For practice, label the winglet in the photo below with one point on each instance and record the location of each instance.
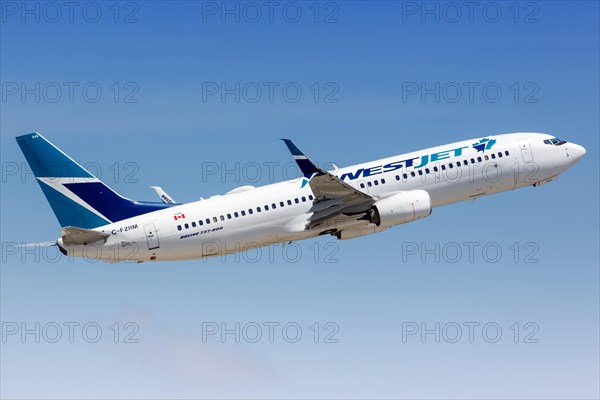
(306, 165)
(163, 195)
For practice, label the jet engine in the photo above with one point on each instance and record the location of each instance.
(401, 208)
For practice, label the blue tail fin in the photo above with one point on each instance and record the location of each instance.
(77, 197)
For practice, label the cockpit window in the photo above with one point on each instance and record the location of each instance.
(554, 142)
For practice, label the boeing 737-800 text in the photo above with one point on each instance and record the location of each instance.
(347, 203)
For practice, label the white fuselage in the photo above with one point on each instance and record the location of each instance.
(177, 233)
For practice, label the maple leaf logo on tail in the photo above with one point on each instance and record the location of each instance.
(484, 144)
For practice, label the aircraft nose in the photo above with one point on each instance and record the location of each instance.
(576, 151)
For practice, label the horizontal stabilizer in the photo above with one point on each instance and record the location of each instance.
(73, 235)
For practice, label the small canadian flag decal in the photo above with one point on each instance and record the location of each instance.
(179, 216)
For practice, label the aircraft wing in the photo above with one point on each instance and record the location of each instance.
(333, 197)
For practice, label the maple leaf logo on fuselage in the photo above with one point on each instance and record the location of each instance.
(484, 144)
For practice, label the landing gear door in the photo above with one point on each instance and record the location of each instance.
(477, 186)
(525, 150)
(151, 236)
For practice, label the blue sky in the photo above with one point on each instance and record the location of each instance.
(163, 118)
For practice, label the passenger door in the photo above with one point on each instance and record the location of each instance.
(525, 150)
(151, 236)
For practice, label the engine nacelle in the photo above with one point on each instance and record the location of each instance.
(401, 208)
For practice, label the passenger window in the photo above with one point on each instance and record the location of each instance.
(228, 216)
(193, 224)
(435, 169)
(487, 158)
(427, 171)
(187, 226)
(200, 222)
(215, 219)
(500, 154)
(376, 182)
(493, 156)
(405, 176)
(207, 221)
(479, 159)
(369, 184)
(397, 177)
(450, 165)
(296, 200)
(383, 181)
(362, 185)
(281, 204)
(222, 218)
(243, 213)
(420, 172)
(443, 167)
(289, 202)
(235, 214)
(412, 173)
(465, 162)
(273, 206)
(506, 153)
(258, 209)
(472, 161)
(266, 207)
(310, 197)
(250, 211)
(178, 227)
(303, 198)
(458, 163)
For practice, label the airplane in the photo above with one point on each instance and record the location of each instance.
(350, 202)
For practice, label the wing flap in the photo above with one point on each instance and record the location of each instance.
(334, 199)
(327, 186)
(338, 198)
